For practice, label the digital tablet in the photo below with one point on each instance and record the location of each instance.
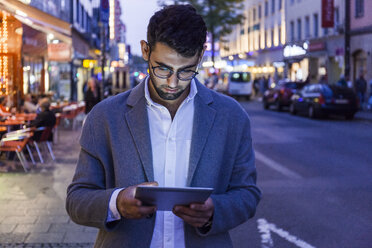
(165, 198)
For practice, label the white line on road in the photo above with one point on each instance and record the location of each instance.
(265, 228)
(276, 166)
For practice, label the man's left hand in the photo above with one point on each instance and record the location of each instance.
(196, 215)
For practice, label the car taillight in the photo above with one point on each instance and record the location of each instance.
(282, 91)
(321, 99)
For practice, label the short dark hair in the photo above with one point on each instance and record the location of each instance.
(180, 27)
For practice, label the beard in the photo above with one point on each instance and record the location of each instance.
(164, 95)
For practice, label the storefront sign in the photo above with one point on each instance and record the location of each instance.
(59, 52)
(316, 46)
(327, 13)
(293, 51)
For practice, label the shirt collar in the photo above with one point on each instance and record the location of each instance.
(150, 102)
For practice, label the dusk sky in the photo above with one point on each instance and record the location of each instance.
(136, 15)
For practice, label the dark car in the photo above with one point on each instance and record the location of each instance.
(281, 94)
(321, 100)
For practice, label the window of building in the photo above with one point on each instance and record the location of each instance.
(272, 37)
(266, 8)
(292, 31)
(299, 29)
(280, 4)
(259, 11)
(316, 25)
(280, 36)
(337, 19)
(325, 31)
(307, 27)
(266, 40)
(359, 8)
(254, 14)
(77, 9)
(272, 6)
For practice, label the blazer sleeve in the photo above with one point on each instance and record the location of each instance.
(239, 203)
(87, 201)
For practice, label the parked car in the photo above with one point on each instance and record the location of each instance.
(281, 94)
(239, 84)
(320, 100)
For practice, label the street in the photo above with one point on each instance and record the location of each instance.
(316, 181)
(315, 176)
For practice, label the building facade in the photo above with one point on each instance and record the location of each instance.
(257, 45)
(60, 46)
(314, 53)
(361, 39)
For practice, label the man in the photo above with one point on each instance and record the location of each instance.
(46, 118)
(28, 105)
(361, 88)
(169, 131)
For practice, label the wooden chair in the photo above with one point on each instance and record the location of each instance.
(16, 143)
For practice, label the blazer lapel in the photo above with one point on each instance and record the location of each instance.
(204, 117)
(138, 124)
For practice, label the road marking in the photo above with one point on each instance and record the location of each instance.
(265, 228)
(276, 166)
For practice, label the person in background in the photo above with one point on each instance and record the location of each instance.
(342, 82)
(92, 95)
(360, 89)
(169, 131)
(46, 118)
(28, 105)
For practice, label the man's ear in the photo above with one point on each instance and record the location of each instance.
(202, 53)
(145, 50)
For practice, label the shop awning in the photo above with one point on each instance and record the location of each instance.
(38, 19)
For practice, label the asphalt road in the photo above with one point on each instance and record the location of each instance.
(316, 178)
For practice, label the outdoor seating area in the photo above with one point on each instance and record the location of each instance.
(25, 147)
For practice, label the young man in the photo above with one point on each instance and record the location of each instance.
(169, 131)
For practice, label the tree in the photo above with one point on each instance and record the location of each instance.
(220, 16)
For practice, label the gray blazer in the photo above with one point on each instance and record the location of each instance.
(116, 152)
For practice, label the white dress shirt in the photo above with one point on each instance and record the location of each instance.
(171, 143)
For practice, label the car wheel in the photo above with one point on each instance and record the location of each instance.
(265, 105)
(349, 116)
(292, 109)
(248, 97)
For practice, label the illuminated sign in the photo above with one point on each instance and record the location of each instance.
(293, 51)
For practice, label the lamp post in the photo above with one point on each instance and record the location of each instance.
(347, 38)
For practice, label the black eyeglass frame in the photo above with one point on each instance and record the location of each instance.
(171, 72)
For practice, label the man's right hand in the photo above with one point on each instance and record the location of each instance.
(130, 207)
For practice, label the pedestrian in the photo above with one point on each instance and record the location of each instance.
(169, 131)
(342, 82)
(360, 89)
(92, 95)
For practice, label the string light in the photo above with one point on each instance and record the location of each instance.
(4, 67)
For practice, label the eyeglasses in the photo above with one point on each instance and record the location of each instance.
(165, 72)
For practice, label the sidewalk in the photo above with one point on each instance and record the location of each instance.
(32, 205)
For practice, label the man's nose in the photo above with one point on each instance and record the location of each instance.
(173, 81)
